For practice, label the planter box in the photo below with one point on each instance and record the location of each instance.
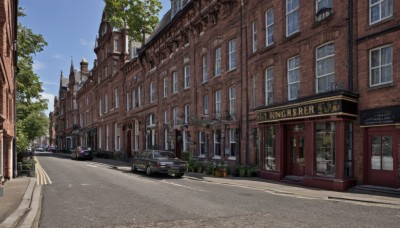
(221, 173)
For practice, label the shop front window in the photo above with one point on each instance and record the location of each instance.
(382, 156)
(325, 148)
(270, 135)
(348, 156)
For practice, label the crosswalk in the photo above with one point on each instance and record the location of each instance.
(41, 176)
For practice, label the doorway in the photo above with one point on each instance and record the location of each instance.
(296, 141)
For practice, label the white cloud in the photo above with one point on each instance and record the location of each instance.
(37, 65)
(50, 104)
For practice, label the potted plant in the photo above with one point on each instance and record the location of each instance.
(242, 170)
(211, 168)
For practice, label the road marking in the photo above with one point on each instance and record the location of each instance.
(93, 166)
(42, 178)
(183, 186)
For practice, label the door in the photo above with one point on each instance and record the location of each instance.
(382, 157)
(129, 143)
(296, 154)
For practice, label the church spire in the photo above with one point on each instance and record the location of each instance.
(72, 66)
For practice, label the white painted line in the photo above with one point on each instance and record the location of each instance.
(93, 166)
(183, 186)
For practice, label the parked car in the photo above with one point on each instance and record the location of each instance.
(52, 148)
(39, 148)
(82, 153)
(158, 161)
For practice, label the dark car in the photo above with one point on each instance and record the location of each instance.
(158, 161)
(82, 153)
(52, 148)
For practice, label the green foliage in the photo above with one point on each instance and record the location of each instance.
(30, 106)
(137, 15)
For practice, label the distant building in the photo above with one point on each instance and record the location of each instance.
(8, 69)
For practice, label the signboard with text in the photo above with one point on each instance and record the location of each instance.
(382, 116)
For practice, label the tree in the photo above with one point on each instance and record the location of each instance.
(138, 15)
(29, 103)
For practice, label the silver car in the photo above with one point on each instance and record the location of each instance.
(158, 161)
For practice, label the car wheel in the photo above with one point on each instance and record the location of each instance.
(178, 175)
(148, 171)
(134, 169)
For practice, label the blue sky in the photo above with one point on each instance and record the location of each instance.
(70, 28)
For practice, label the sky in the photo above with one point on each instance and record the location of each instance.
(70, 28)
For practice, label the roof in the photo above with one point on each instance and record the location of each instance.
(163, 23)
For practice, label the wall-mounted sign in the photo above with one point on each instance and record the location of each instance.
(382, 116)
(336, 105)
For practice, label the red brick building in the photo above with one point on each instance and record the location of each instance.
(304, 90)
(8, 67)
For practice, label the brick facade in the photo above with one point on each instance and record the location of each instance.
(286, 96)
(8, 35)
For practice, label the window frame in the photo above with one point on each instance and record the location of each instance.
(218, 60)
(204, 68)
(186, 73)
(269, 86)
(232, 49)
(380, 66)
(232, 100)
(290, 98)
(254, 36)
(217, 96)
(269, 28)
(152, 92)
(291, 12)
(175, 82)
(379, 3)
(324, 58)
(166, 87)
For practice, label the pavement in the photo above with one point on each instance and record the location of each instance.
(20, 203)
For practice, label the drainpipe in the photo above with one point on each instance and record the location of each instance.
(350, 45)
(244, 74)
(14, 146)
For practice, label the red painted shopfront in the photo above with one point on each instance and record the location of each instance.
(381, 133)
(310, 141)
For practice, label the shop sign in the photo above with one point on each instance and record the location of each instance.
(383, 116)
(312, 108)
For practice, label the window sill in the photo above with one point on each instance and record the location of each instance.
(377, 23)
(291, 36)
(231, 70)
(202, 156)
(232, 158)
(216, 157)
(377, 87)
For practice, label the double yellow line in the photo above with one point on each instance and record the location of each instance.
(41, 176)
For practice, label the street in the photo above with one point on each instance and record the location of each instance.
(91, 194)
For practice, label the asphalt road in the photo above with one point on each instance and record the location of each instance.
(90, 194)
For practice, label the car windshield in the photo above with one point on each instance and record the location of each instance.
(164, 154)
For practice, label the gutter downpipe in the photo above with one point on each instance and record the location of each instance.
(15, 171)
(244, 67)
(350, 45)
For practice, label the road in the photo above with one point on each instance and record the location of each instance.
(91, 194)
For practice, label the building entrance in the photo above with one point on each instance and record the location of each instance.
(296, 157)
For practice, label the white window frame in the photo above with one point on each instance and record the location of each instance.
(232, 54)
(232, 141)
(202, 141)
(290, 12)
(174, 82)
(116, 44)
(380, 66)
(322, 75)
(232, 100)
(254, 36)
(187, 113)
(186, 76)
(217, 103)
(165, 117)
(166, 139)
(379, 4)
(117, 137)
(217, 71)
(205, 105)
(116, 94)
(204, 68)
(269, 86)
(269, 27)
(165, 87)
(133, 99)
(107, 136)
(175, 116)
(293, 83)
(217, 144)
(152, 92)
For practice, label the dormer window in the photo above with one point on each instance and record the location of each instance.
(103, 29)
